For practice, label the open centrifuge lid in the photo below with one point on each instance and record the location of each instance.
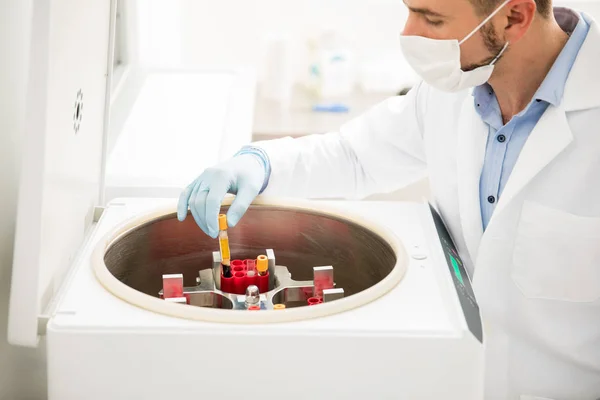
(62, 159)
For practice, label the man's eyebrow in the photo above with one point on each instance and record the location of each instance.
(424, 11)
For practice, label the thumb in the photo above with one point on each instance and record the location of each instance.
(240, 204)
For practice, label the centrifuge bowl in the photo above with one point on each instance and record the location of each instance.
(368, 260)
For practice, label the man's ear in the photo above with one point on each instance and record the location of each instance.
(519, 17)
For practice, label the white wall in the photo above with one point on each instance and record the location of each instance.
(22, 371)
(196, 32)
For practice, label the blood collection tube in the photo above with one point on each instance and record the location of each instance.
(251, 275)
(279, 307)
(262, 266)
(253, 308)
(224, 246)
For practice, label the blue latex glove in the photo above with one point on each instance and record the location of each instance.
(243, 175)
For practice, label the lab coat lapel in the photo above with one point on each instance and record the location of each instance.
(582, 89)
(472, 139)
(550, 136)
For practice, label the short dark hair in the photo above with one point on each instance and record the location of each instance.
(544, 7)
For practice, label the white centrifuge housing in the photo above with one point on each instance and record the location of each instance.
(87, 275)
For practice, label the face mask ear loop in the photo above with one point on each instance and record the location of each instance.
(485, 21)
(499, 54)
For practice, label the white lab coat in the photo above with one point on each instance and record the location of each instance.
(536, 269)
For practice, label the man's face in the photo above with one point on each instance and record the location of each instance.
(454, 19)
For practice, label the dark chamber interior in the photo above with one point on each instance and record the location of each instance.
(301, 240)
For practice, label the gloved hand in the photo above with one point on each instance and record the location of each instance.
(243, 175)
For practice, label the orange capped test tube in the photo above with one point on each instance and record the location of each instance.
(224, 246)
(262, 266)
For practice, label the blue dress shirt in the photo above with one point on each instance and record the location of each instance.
(506, 141)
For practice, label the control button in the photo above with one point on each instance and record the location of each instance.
(491, 199)
(501, 138)
(419, 256)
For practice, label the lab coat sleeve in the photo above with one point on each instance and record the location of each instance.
(379, 151)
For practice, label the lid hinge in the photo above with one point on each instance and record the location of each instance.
(98, 211)
(43, 320)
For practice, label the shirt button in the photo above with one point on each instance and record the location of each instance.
(491, 199)
(501, 138)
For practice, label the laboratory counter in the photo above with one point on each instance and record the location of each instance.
(271, 120)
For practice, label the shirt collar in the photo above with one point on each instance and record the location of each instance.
(552, 88)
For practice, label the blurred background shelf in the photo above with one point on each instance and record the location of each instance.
(272, 121)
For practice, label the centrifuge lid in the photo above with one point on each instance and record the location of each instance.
(62, 159)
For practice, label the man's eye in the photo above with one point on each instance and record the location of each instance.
(434, 22)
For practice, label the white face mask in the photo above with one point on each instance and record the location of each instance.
(438, 61)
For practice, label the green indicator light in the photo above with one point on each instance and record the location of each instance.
(456, 270)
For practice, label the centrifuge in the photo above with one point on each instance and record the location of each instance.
(362, 299)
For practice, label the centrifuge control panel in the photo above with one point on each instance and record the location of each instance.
(460, 278)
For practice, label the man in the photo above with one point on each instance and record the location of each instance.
(506, 126)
